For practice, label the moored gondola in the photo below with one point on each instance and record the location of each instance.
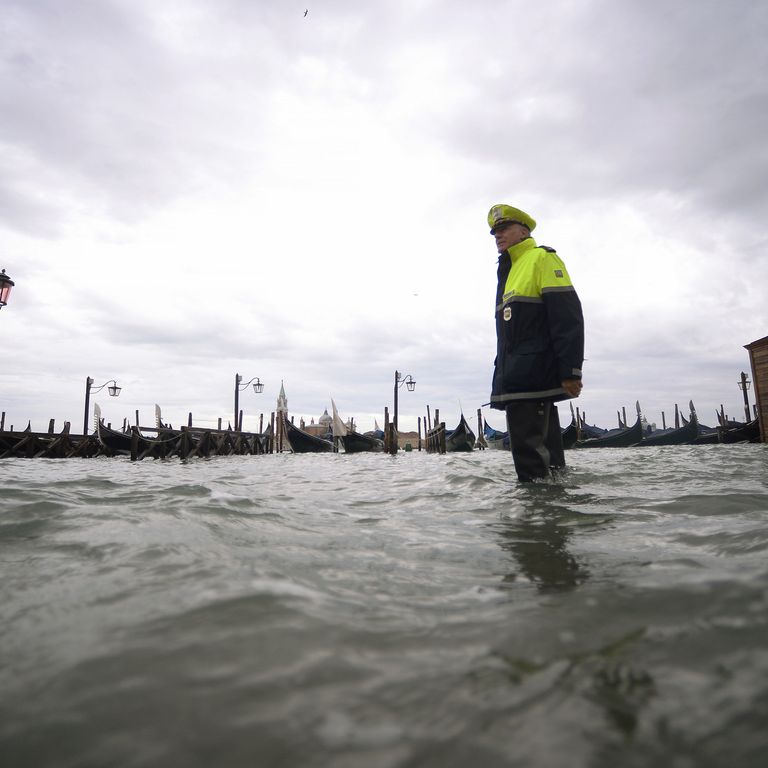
(622, 438)
(356, 442)
(500, 440)
(115, 442)
(461, 439)
(133, 443)
(749, 432)
(495, 438)
(570, 435)
(706, 438)
(302, 442)
(680, 436)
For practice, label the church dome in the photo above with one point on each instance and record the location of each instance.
(325, 419)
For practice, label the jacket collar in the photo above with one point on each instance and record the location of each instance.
(516, 251)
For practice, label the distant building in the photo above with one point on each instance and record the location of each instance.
(323, 426)
(282, 401)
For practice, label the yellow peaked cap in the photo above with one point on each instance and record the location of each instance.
(501, 213)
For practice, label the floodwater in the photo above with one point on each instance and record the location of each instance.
(374, 610)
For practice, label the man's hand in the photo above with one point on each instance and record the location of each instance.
(572, 386)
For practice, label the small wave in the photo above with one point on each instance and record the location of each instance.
(705, 505)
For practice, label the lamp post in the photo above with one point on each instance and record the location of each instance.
(5, 288)
(744, 386)
(399, 381)
(113, 390)
(258, 387)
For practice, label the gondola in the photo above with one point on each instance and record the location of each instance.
(114, 441)
(500, 440)
(494, 438)
(749, 432)
(302, 442)
(578, 429)
(570, 435)
(120, 443)
(499, 443)
(680, 436)
(355, 442)
(706, 438)
(590, 430)
(461, 439)
(622, 438)
(707, 435)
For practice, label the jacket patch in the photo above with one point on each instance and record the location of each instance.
(558, 273)
(507, 313)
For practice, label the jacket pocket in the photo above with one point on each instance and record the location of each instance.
(529, 347)
(529, 368)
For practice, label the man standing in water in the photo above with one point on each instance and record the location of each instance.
(540, 343)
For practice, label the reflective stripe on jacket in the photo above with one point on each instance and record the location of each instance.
(539, 326)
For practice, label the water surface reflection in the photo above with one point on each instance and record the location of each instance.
(538, 536)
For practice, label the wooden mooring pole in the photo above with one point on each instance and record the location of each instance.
(481, 444)
(387, 446)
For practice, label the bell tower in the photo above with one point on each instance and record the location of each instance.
(281, 417)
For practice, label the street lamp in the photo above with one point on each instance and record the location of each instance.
(5, 288)
(399, 381)
(113, 390)
(258, 387)
(744, 386)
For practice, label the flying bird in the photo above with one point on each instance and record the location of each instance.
(306, 12)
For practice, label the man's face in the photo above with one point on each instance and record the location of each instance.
(509, 233)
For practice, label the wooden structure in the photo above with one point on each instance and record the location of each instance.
(34, 445)
(436, 439)
(395, 440)
(481, 443)
(758, 357)
(185, 443)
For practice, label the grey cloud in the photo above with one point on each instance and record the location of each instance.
(119, 119)
(621, 95)
(651, 96)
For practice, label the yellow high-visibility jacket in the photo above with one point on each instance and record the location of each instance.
(539, 326)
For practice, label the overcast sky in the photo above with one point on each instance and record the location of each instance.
(191, 189)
